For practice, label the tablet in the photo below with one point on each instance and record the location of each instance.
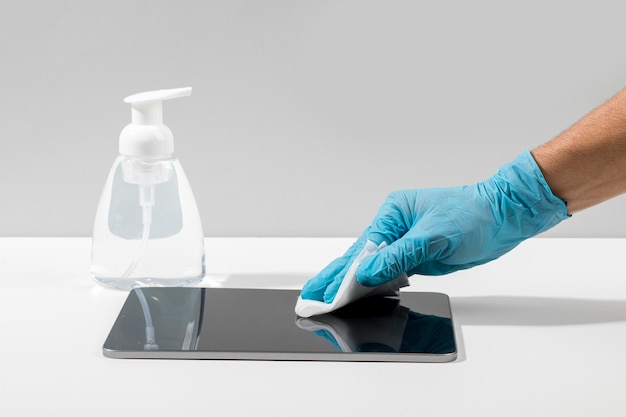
(260, 324)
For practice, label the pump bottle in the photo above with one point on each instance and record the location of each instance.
(147, 230)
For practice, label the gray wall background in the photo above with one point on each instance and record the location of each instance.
(305, 114)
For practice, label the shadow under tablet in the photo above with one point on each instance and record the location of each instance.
(260, 324)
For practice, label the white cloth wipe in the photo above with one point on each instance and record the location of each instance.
(350, 290)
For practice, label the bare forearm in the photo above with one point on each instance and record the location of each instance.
(586, 164)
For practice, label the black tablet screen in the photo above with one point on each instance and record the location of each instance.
(228, 323)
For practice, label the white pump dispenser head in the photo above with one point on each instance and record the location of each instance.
(146, 135)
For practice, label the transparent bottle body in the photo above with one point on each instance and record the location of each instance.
(147, 230)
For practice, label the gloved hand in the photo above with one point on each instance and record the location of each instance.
(441, 230)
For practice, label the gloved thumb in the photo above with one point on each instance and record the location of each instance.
(389, 263)
(408, 255)
(393, 219)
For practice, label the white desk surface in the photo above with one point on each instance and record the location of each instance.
(541, 332)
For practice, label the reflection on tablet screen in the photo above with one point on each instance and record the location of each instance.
(382, 324)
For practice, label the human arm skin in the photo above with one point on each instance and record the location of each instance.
(586, 164)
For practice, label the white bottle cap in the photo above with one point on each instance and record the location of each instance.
(146, 135)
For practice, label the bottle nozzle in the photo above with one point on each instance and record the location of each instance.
(146, 135)
(147, 108)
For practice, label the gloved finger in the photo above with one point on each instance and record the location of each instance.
(333, 286)
(405, 255)
(394, 218)
(321, 286)
(315, 288)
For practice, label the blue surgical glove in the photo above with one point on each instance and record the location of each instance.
(441, 230)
